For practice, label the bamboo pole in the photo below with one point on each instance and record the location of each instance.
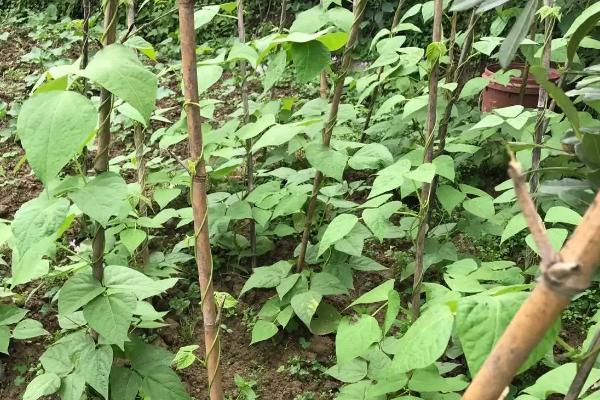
(103, 141)
(359, 9)
(428, 157)
(199, 199)
(577, 262)
(246, 109)
(85, 46)
(542, 105)
(138, 142)
(584, 369)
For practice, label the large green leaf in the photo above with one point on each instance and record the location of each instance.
(515, 225)
(371, 156)
(519, 30)
(482, 207)
(350, 372)
(563, 215)
(94, 366)
(110, 316)
(375, 295)
(377, 219)
(118, 69)
(336, 230)
(305, 305)
(480, 321)
(124, 383)
(354, 337)
(267, 277)
(42, 385)
(102, 197)
(263, 330)
(390, 178)
(28, 328)
(558, 95)
(310, 59)
(145, 357)
(79, 290)
(163, 383)
(583, 24)
(558, 381)
(275, 71)
(276, 135)
(449, 197)
(72, 387)
(208, 75)
(426, 339)
(205, 15)
(53, 127)
(4, 339)
(330, 162)
(129, 280)
(10, 314)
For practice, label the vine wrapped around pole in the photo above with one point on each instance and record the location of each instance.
(199, 200)
(103, 143)
(359, 10)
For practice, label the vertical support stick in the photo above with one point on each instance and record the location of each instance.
(283, 15)
(85, 46)
(103, 142)
(583, 372)
(359, 10)
(428, 157)
(199, 200)
(246, 109)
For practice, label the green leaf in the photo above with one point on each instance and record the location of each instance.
(305, 305)
(559, 96)
(79, 290)
(375, 295)
(377, 219)
(429, 380)
(267, 277)
(326, 284)
(141, 45)
(276, 136)
(354, 337)
(330, 162)
(310, 59)
(449, 197)
(581, 26)
(129, 280)
(350, 372)
(309, 21)
(563, 215)
(426, 339)
(290, 204)
(444, 166)
(185, 356)
(424, 173)
(210, 75)
(556, 236)
(371, 156)
(27, 329)
(558, 380)
(393, 308)
(325, 320)
(275, 71)
(517, 33)
(94, 366)
(73, 387)
(482, 319)
(118, 69)
(243, 51)
(390, 178)
(515, 225)
(489, 121)
(53, 128)
(473, 87)
(110, 316)
(483, 207)
(4, 339)
(263, 330)
(341, 17)
(124, 383)
(164, 196)
(205, 15)
(336, 230)
(163, 383)
(42, 385)
(334, 40)
(146, 358)
(132, 239)
(254, 129)
(10, 314)
(102, 197)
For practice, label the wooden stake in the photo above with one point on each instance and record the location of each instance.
(103, 141)
(199, 200)
(359, 9)
(428, 157)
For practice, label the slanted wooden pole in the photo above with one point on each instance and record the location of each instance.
(563, 276)
(428, 157)
(359, 10)
(103, 141)
(199, 200)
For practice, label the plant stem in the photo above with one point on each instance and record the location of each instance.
(584, 369)
(250, 159)
(540, 126)
(103, 143)
(199, 198)
(428, 157)
(85, 46)
(283, 15)
(397, 15)
(527, 65)
(138, 141)
(359, 9)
